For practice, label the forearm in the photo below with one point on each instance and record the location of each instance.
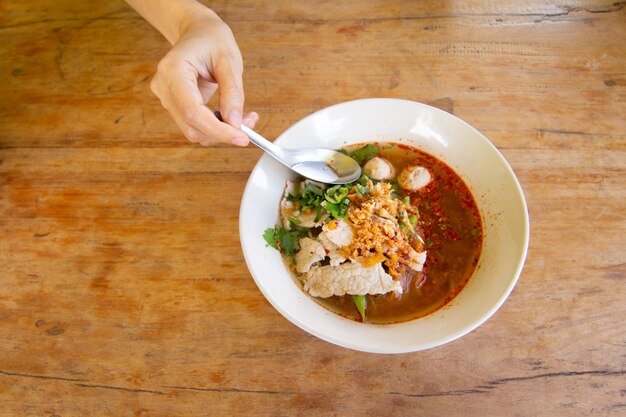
(170, 17)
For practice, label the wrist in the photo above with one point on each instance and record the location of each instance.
(191, 14)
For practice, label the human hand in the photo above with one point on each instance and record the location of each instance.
(204, 57)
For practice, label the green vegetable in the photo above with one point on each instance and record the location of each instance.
(396, 191)
(318, 214)
(311, 197)
(269, 236)
(337, 210)
(361, 303)
(312, 188)
(364, 180)
(337, 193)
(366, 152)
(361, 189)
(294, 220)
(413, 220)
(287, 242)
(333, 200)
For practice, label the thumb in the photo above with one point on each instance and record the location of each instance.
(229, 79)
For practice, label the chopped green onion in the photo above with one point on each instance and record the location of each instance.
(318, 214)
(311, 196)
(364, 180)
(337, 193)
(311, 188)
(336, 210)
(361, 189)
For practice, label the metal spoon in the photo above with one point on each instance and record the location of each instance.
(318, 164)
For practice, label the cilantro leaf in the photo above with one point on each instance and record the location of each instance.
(290, 242)
(287, 242)
(271, 238)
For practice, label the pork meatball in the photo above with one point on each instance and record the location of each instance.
(379, 169)
(413, 178)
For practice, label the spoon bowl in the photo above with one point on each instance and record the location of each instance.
(318, 164)
(325, 165)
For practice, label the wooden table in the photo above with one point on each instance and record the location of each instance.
(123, 289)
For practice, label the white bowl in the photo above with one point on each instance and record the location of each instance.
(486, 172)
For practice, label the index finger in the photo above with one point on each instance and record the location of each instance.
(191, 109)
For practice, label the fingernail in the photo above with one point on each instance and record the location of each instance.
(239, 141)
(250, 120)
(234, 118)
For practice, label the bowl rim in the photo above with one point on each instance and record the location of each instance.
(363, 347)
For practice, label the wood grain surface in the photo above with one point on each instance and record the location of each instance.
(123, 289)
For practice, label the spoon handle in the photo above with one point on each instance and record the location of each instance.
(267, 146)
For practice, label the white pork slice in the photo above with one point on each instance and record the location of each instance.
(335, 235)
(349, 278)
(333, 251)
(338, 232)
(311, 251)
(307, 218)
